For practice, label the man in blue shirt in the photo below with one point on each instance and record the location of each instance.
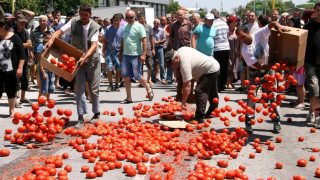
(110, 51)
(203, 36)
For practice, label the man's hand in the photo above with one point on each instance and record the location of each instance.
(19, 72)
(55, 21)
(45, 76)
(142, 58)
(184, 106)
(31, 55)
(104, 54)
(81, 61)
(282, 29)
(153, 52)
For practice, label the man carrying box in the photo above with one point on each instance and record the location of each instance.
(84, 34)
(202, 68)
(255, 51)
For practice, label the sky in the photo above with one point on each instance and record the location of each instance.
(227, 5)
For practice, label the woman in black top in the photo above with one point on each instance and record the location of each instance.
(12, 58)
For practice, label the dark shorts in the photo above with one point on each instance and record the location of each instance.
(149, 60)
(312, 78)
(9, 82)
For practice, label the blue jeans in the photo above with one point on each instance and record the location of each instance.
(169, 74)
(47, 85)
(92, 75)
(131, 64)
(112, 60)
(160, 56)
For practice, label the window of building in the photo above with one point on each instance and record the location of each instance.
(126, 2)
(117, 2)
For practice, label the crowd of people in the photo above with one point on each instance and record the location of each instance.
(213, 51)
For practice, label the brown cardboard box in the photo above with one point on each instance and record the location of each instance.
(57, 48)
(289, 46)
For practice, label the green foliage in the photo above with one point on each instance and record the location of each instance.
(239, 10)
(289, 4)
(224, 13)
(173, 6)
(41, 6)
(202, 13)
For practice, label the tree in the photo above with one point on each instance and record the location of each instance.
(41, 6)
(279, 5)
(224, 13)
(239, 10)
(289, 4)
(173, 6)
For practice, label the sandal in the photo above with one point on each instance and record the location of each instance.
(126, 101)
(150, 95)
(67, 92)
(18, 105)
(27, 101)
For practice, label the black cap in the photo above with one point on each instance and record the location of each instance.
(168, 57)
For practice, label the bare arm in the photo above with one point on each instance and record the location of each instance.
(55, 35)
(104, 47)
(153, 45)
(186, 92)
(277, 26)
(20, 68)
(88, 53)
(144, 50)
(121, 51)
(30, 14)
(194, 40)
(27, 44)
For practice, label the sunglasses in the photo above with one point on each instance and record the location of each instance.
(130, 17)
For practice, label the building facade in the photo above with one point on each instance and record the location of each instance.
(159, 6)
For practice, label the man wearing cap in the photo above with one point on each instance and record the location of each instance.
(203, 36)
(202, 68)
(29, 14)
(24, 35)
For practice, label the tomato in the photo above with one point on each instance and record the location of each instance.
(242, 167)
(72, 60)
(301, 138)
(315, 149)
(167, 167)
(42, 99)
(216, 100)
(67, 112)
(226, 98)
(271, 147)
(68, 168)
(279, 165)
(85, 168)
(65, 57)
(278, 139)
(187, 116)
(60, 64)
(312, 158)
(91, 175)
(302, 162)
(312, 130)
(131, 172)
(156, 176)
(252, 155)
(35, 107)
(4, 152)
(53, 61)
(65, 155)
(246, 82)
(142, 169)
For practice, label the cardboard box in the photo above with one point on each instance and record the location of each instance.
(289, 46)
(57, 48)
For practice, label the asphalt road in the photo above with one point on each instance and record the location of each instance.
(262, 166)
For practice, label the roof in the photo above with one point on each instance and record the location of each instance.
(156, 1)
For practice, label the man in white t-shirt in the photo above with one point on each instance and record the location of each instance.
(195, 65)
(255, 52)
(84, 34)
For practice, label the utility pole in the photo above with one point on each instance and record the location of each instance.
(254, 6)
(196, 7)
(221, 7)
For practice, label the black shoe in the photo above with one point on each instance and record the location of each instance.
(95, 117)
(249, 128)
(117, 88)
(276, 127)
(121, 84)
(110, 88)
(133, 81)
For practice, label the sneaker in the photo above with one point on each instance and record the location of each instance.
(95, 117)
(276, 127)
(80, 124)
(121, 84)
(309, 117)
(110, 88)
(165, 82)
(117, 88)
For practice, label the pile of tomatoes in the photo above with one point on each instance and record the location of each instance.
(68, 64)
(37, 127)
(49, 170)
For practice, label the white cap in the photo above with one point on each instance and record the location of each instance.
(209, 16)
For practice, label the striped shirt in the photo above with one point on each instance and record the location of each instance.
(221, 42)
